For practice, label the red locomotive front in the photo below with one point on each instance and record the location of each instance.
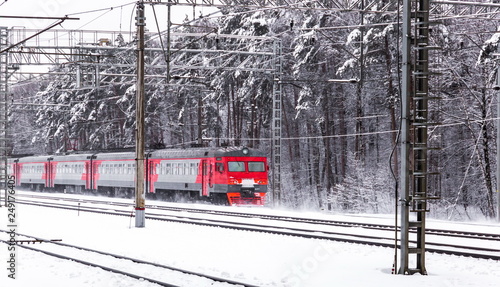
(242, 175)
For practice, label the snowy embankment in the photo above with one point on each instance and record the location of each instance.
(257, 258)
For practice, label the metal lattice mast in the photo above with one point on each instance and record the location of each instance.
(3, 109)
(276, 127)
(415, 148)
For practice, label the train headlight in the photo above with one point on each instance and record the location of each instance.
(245, 150)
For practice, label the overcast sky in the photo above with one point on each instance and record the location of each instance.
(119, 18)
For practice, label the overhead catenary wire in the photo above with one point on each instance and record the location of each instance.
(121, 6)
(103, 9)
(165, 55)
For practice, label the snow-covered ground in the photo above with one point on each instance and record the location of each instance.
(255, 258)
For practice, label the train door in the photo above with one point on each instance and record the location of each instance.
(205, 177)
(17, 172)
(95, 174)
(49, 173)
(88, 175)
(152, 177)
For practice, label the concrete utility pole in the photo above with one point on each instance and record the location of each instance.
(139, 118)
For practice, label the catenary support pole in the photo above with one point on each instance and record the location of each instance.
(139, 138)
(405, 137)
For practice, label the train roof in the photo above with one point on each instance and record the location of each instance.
(205, 152)
(164, 153)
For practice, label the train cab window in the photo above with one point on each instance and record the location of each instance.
(236, 166)
(219, 166)
(256, 166)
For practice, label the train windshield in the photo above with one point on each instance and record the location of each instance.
(256, 166)
(236, 166)
(239, 166)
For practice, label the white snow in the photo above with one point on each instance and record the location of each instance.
(252, 257)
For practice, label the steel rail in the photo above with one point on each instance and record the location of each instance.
(114, 270)
(294, 219)
(287, 231)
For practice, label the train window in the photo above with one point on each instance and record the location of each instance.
(219, 166)
(192, 169)
(256, 166)
(175, 168)
(168, 168)
(181, 169)
(236, 166)
(186, 168)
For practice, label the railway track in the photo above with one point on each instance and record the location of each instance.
(167, 276)
(369, 234)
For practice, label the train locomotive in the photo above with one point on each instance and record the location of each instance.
(232, 175)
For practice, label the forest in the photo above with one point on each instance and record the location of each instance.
(340, 148)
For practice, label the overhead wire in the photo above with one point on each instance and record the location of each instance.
(159, 35)
(91, 21)
(103, 9)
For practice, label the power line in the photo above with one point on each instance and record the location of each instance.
(103, 9)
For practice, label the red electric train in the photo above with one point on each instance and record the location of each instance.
(234, 176)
